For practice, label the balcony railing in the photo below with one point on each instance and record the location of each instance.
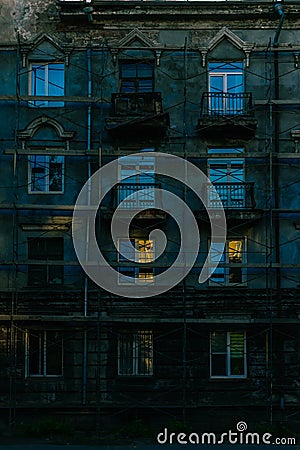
(140, 199)
(226, 104)
(232, 195)
(136, 103)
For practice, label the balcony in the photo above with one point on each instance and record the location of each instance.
(236, 198)
(226, 114)
(137, 113)
(149, 200)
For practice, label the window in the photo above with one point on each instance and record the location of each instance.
(49, 249)
(135, 175)
(46, 174)
(135, 353)
(227, 176)
(136, 76)
(234, 254)
(226, 86)
(46, 79)
(227, 354)
(141, 251)
(44, 353)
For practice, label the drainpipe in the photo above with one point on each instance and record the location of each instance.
(276, 111)
(279, 10)
(89, 123)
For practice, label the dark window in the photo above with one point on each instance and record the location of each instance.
(45, 249)
(228, 354)
(135, 353)
(44, 350)
(136, 76)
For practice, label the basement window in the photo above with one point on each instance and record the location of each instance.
(135, 353)
(44, 353)
(46, 250)
(228, 354)
(141, 251)
(46, 174)
(46, 79)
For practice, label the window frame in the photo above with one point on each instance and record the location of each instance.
(45, 103)
(226, 270)
(136, 350)
(135, 80)
(32, 261)
(228, 355)
(43, 351)
(47, 190)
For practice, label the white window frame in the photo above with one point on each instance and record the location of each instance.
(135, 354)
(42, 350)
(136, 279)
(226, 270)
(44, 103)
(224, 74)
(228, 355)
(47, 174)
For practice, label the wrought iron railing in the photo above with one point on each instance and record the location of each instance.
(226, 104)
(232, 195)
(140, 198)
(136, 103)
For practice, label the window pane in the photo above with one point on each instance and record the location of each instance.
(127, 86)
(37, 275)
(55, 79)
(55, 274)
(218, 365)
(128, 70)
(38, 167)
(127, 249)
(38, 80)
(144, 70)
(237, 353)
(126, 275)
(126, 355)
(218, 342)
(145, 345)
(145, 85)
(56, 173)
(35, 353)
(54, 353)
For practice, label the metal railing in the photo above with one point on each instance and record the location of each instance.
(140, 198)
(226, 104)
(232, 195)
(136, 103)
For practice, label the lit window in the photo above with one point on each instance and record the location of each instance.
(135, 353)
(44, 353)
(141, 251)
(227, 354)
(47, 250)
(234, 254)
(47, 79)
(46, 174)
(136, 76)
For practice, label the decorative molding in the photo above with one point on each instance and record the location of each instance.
(134, 35)
(235, 40)
(42, 121)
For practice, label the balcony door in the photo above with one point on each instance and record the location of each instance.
(227, 175)
(136, 174)
(226, 85)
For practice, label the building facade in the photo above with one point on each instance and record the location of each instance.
(215, 83)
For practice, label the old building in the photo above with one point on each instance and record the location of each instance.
(215, 83)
